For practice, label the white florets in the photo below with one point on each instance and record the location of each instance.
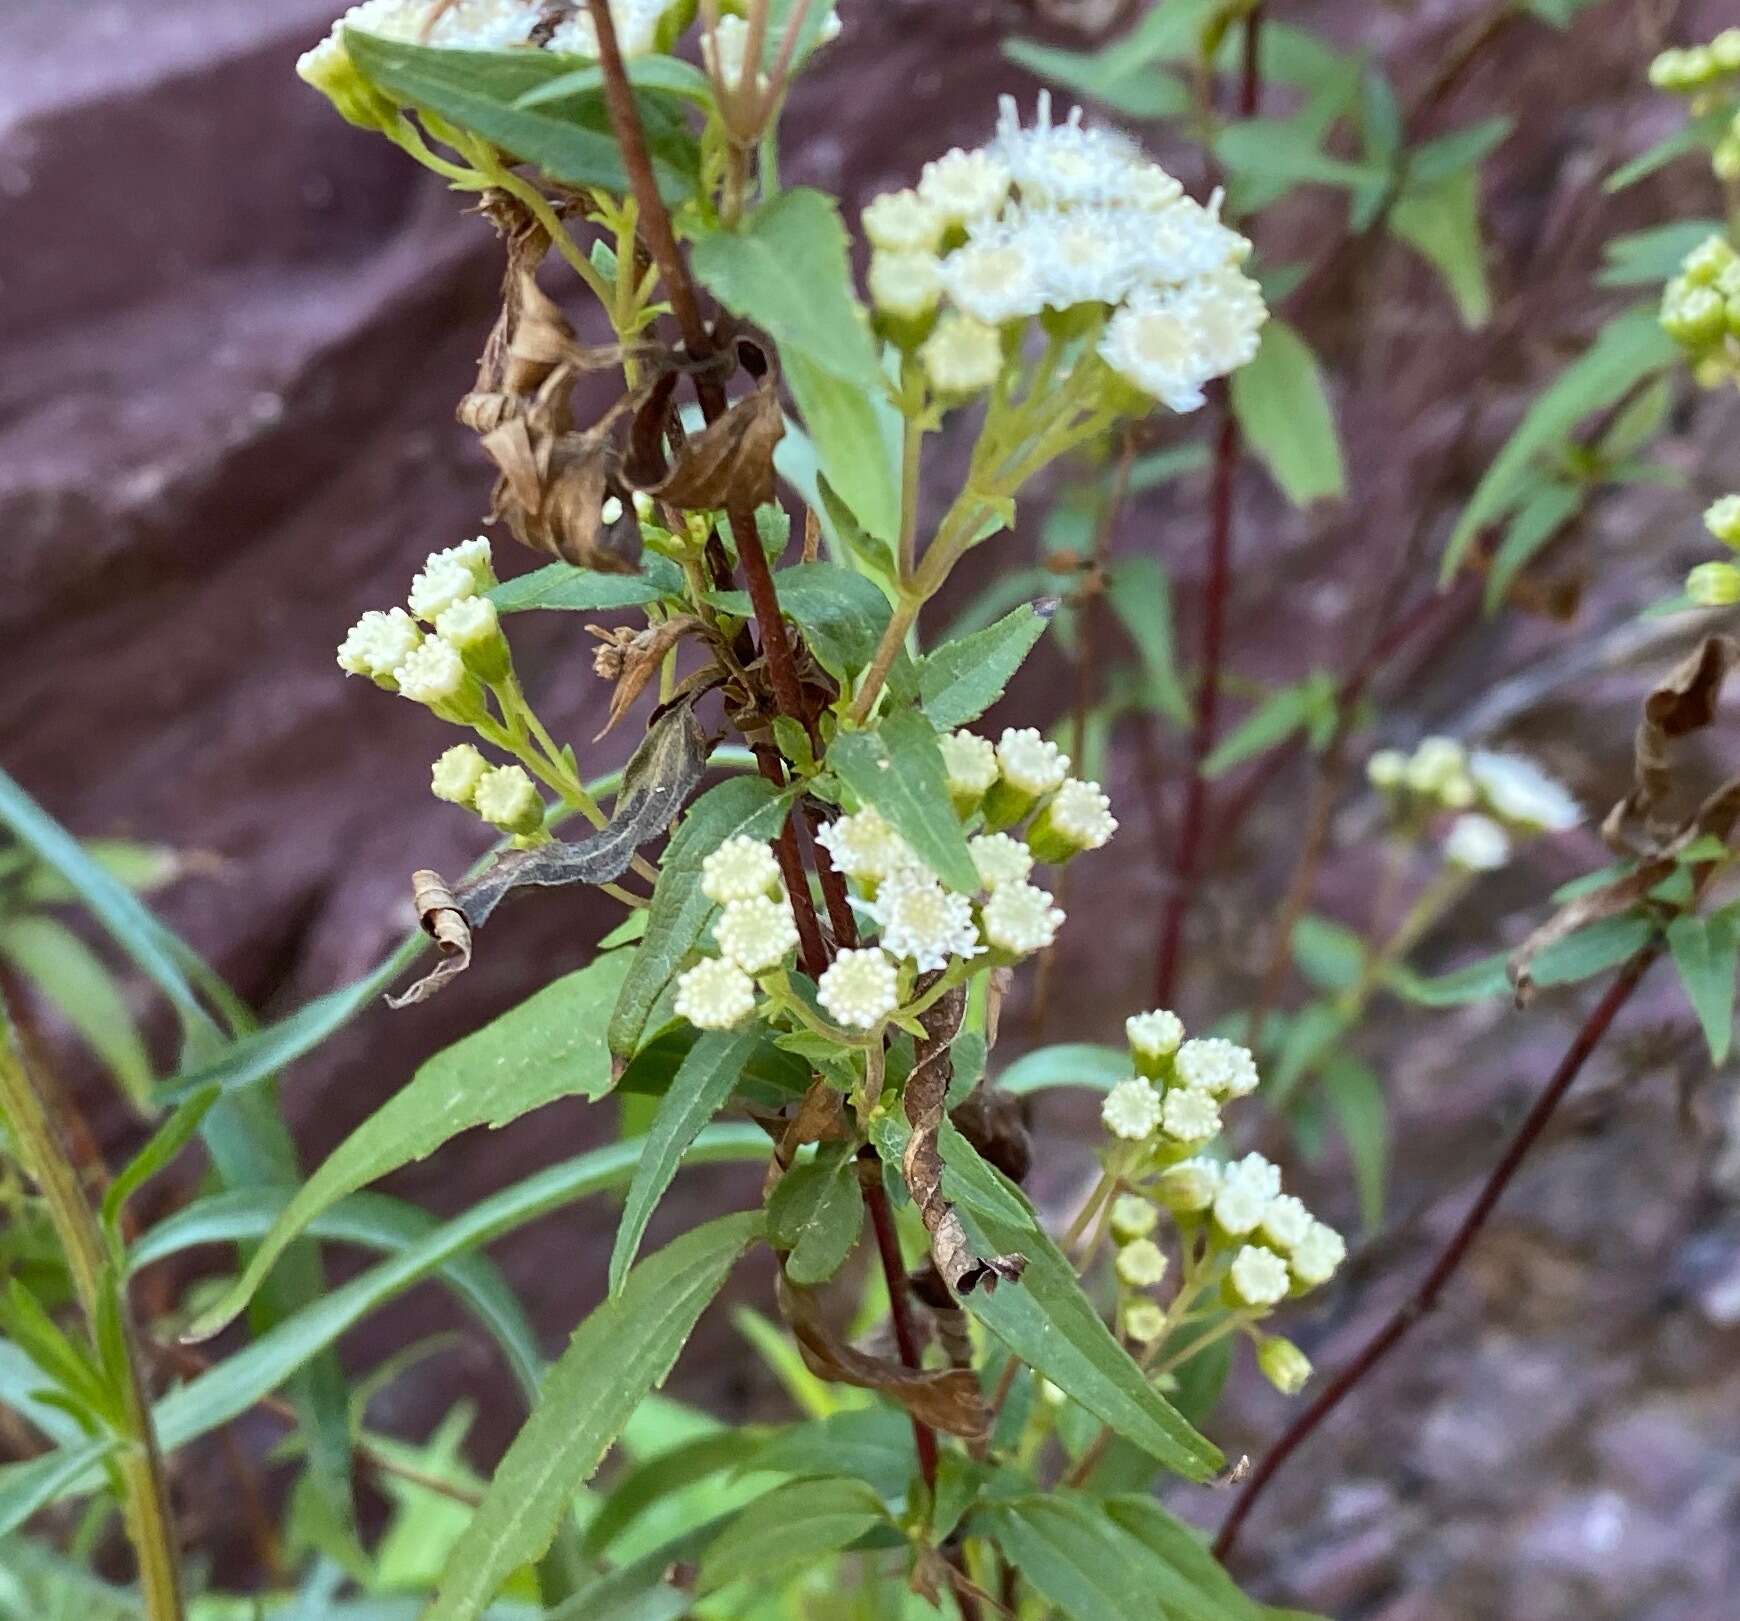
(1082, 814)
(1172, 342)
(964, 186)
(970, 762)
(1019, 919)
(456, 774)
(443, 581)
(995, 277)
(508, 798)
(1141, 1264)
(902, 222)
(470, 622)
(714, 995)
(1132, 1216)
(1029, 762)
(1156, 1034)
(1245, 1191)
(922, 921)
(1144, 1321)
(962, 356)
(1476, 844)
(860, 989)
(1259, 1276)
(1059, 165)
(1131, 1110)
(1189, 1116)
(865, 847)
(907, 285)
(1217, 1066)
(432, 673)
(1286, 1222)
(1386, 769)
(1437, 764)
(756, 933)
(1316, 1256)
(1517, 790)
(378, 643)
(1191, 1185)
(741, 869)
(1000, 859)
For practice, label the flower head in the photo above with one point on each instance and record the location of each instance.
(1286, 1221)
(995, 276)
(865, 847)
(1316, 1256)
(378, 643)
(1387, 769)
(756, 933)
(456, 774)
(1061, 165)
(1436, 763)
(860, 988)
(1518, 791)
(962, 356)
(1029, 762)
(1144, 1321)
(1190, 1186)
(970, 763)
(741, 869)
(1154, 1035)
(1141, 1263)
(1170, 343)
(1714, 585)
(963, 187)
(1476, 844)
(922, 921)
(902, 222)
(1000, 859)
(714, 995)
(444, 580)
(1284, 1365)
(1078, 817)
(432, 673)
(508, 798)
(1245, 1191)
(1258, 1276)
(1133, 1216)
(1020, 919)
(1189, 1116)
(1131, 1110)
(906, 285)
(1217, 1066)
(473, 628)
(1722, 519)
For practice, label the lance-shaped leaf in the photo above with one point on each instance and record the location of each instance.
(791, 1525)
(963, 678)
(620, 1352)
(816, 1214)
(898, 770)
(841, 613)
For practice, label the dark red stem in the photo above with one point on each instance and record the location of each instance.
(899, 1307)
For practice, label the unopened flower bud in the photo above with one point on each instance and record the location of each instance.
(714, 995)
(377, 644)
(1077, 817)
(1000, 859)
(962, 356)
(328, 67)
(1141, 1264)
(1714, 585)
(860, 989)
(1133, 1216)
(472, 628)
(1144, 1321)
(902, 222)
(1258, 1276)
(1131, 1110)
(970, 763)
(905, 289)
(455, 776)
(1284, 1365)
(1154, 1038)
(1031, 768)
(1476, 843)
(507, 798)
(1190, 1186)
(1020, 919)
(1707, 261)
(435, 675)
(1692, 315)
(1722, 519)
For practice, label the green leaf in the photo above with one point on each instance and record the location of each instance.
(622, 1350)
(1442, 222)
(704, 1080)
(639, 1591)
(1140, 593)
(550, 1046)
(643, 1487)
(1630, 348)
(898, 770)
(1541, 516)
(961, 679)
(1580, 956)
(240, 1380)
(817, 1213)
(1706, 951)
(746, 806)
(585, 590)
(791, 1525)
(873, 1444)
(1329, 954)
(1434, 161)
(841, 613)
(1700, 135)
(482, 91)
(669, 74)
(1309, 1034)
(1284, 410)
(1276, 718)
(1068, 1063)
(1054, 1328)
(1278, 149)
(1648, 258)
(166, 1142)
(1356, 1099)
(1124, 81)
(68, 974)
(786, 269)
(1181, 1548)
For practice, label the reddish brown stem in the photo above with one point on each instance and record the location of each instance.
(1187, 858)
(899, 1310)
(1425, 1297)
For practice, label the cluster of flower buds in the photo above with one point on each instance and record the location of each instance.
(1496, 796)
(1717, 585)
(1709, 76)
(1021, 807)
(1700, 309)
(1238, 1236)
(1072, 225)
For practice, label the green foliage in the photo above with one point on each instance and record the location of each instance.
(962, 678)
(790, 1526)
(842, 613)
(1706, 951)
(898, 770)
(1284, 411)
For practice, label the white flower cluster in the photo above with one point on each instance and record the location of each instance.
(444, 670)
(754, 933)
(1499, 794)
(504, 796)
(1050, 218)
(1174, 1099)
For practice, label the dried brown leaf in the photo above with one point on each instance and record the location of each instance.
(442, 919)
(947, 1399)
(729, 462)
(637, 661)
(926, 1093)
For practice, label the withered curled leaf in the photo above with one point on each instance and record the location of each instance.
(440, 915)
(947, 1399)
(631, 659)
(960, 1265)
(729, 463)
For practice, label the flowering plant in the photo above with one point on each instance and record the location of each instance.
(830, 869)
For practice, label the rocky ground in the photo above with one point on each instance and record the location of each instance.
(234, 330)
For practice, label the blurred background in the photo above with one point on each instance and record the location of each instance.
(234, 330)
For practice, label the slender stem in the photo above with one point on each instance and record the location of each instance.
(911, 448)
(899, 1301)
(1425, 1297)
(145, 1490)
